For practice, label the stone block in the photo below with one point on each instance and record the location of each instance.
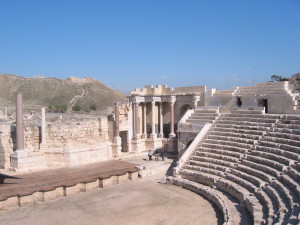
(38, 196)
(123, 178)
(108, 182)
(72, 190)
(26, 200)
(51, 195)
(92, 185)
(133, 176)
(10, 202)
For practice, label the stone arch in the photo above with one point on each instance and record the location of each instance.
(183, 109)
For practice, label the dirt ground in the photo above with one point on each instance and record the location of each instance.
(140, 202)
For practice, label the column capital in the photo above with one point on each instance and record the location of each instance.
(196, 98)
(136, 99)
(169, 98)
(153, 99)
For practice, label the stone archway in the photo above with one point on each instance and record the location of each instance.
(183, 109)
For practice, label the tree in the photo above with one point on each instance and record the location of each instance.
(278, 78)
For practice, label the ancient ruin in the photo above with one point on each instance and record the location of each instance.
(239, 148)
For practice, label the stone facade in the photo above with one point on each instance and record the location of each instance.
(70, 140)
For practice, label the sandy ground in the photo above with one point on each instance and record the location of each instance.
(140, 202)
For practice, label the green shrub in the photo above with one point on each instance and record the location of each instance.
(76, 108)
(93, 107)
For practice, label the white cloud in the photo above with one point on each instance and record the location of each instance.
(163, 77)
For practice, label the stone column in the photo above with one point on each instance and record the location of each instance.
(153, 134)
(196, 99)
(117, 145)
(43, 143)
(117, 120)
(172, 134)
(144, 135)
(136, 118)
(133, 120)
(161, 121)
(19, 122)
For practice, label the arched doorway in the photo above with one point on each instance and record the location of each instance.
(183, 109)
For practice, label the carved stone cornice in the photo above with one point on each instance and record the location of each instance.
(169, 98)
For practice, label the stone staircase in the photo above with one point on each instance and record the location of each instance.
(202, 116)
(250, 160)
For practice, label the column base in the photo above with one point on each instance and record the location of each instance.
(171, 135)
(144, 136)
(22, 161)
(43, 146)
(137, 137)
(160, 135)
(117, 146)
(153, 136)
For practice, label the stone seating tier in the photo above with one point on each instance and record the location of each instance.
(257, 156)
(235, 134)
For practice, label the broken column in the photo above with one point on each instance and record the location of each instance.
(19, 122)
(117, 145)
(17, 157)
(43, 144)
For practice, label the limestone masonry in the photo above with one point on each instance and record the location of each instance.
(239, 148)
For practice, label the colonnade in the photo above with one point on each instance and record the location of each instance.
(136, 101)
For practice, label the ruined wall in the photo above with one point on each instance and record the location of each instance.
(71, 140)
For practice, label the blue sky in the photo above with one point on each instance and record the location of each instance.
(130, 43)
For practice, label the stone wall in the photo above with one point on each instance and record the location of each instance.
(70, 140)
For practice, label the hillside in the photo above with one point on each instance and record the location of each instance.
(87, 93)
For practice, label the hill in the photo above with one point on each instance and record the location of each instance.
(81, 94)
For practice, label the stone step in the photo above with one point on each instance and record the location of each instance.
(217, 156)
(270, 92)
(232, 212)
(214, 161)
(235, 134)
(281, 141)
(249, 119)
(196, 121)
(277, 167)
(209, 165)
(284, 136)
(228, 143)
(218, 151)
(272, 84)
(245, 111)
(293, 173)
(239, 131)
(205, 114)
(286, 131)
(255, 172)
(292, 185)
(279, 146)
(273, 157)
(273, 193)
(201, 118)
(290, 121)
(288, 126)
(285, 192)
(277, 151)
(245, 123)
(225, 147)
(214, 111)
(261, 167)
(231, 139)
(245, 127)
(262, 116)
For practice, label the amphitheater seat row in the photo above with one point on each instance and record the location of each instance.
(254, 158)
